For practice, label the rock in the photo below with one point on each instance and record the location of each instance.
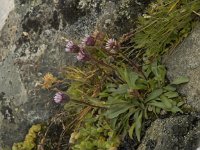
(184, 61)
(6, 7)
(31, 44)
(174, 133)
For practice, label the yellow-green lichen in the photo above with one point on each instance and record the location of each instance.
(29, 142)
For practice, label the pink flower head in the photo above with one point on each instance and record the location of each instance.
(88, 41)
(71, 47)
(82, 55)
(61, 97)
(112, 45)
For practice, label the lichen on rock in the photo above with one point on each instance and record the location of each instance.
(178, 132)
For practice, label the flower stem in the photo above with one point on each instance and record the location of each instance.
(85, 103)
(135, 66)
(102, 63)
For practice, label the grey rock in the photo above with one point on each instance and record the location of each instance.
(174, 133)
(6, 7)
(184, 61)
(31, 44)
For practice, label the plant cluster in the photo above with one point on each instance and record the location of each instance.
(95, 133)
(134, 100)
(121, 92)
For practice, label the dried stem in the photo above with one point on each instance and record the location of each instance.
(85, 103)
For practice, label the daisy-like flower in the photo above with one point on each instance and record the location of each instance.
(89, 41)
(71, 47)
(61, 97)
(82, 55)
(112, 45)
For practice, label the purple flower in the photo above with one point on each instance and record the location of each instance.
(71, 47)
(112, 45)
(82, 55)
(61, 97)
(88, 41)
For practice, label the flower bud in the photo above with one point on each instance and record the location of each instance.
(82, 56)
(88, 41)
(61, 97)
(71, 47)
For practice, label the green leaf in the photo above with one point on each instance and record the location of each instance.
(180, 103)
(161, 73)
(141, 84)
(175, 109)
(154, 109)
(116, 110)
(154, 68)
(174, 102)
(170, 88)
(158, 110)
(130, 132)
(125, 74)
(138, 126)
(114, 100)
(110, 85)
(180, 80)
(132, 80)
(158, 104)
(145, 113)
(171, 94)
(122, 89)
(103, 94)
(152, 84)
(146, 70)
(113, 122)
(129, 77)
(156, 93)
(166, 101)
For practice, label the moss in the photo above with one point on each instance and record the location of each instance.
(29, 142)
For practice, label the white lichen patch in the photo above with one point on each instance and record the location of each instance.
(29, 54)
(123, 9)
(88, 4)
(85, 4)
